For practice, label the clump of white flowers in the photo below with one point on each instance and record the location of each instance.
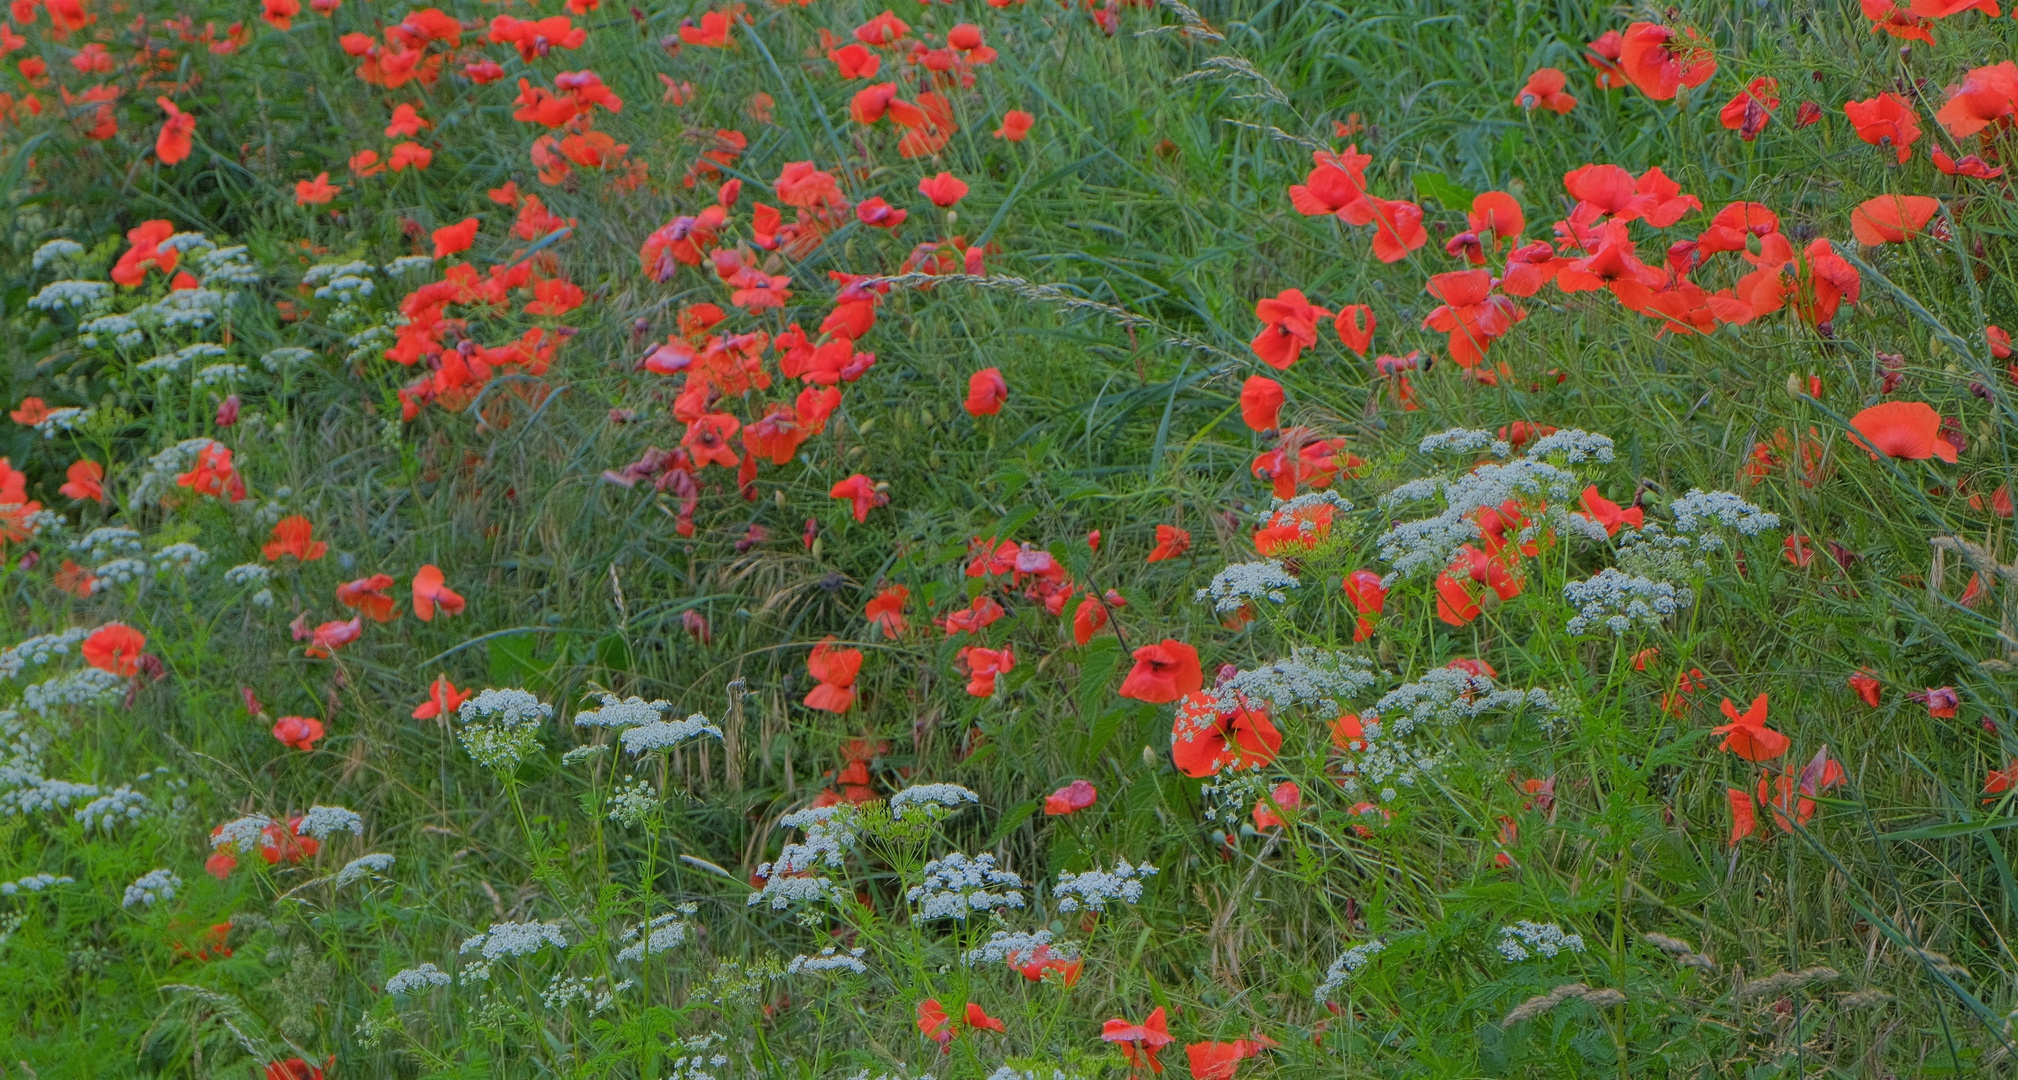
(1349, 964)
(1524, 939)
(1653, 552)
(114, 808)
(501, 727)
(631, 803)
(1427, 545)
(955, 886)
(616, 712)
(35, 883)
(829, 832)
(184, 557)
(1619, 602)
(415, 980)
(85, 686)
(667, 734)
(56, 251)
(1098, 888)
(507, 939)
(1308, 676)
(39, 650)
(241, 834)
(1437, 700)
(1019, 947)
(1465, 441)
(930, 801)
(1241, 584)
(662, 934)
(1699, 511)
(829, 960)
(363, 866)
(151, 888)
(322, 822)
(70, 294)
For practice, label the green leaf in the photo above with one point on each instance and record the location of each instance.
(1453, 195)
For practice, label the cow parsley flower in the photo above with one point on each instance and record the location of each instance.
(35, 883)
(1098, 888)
(956, 885)
(322, 822)
(501, 727)
(1018, 948)
(506, 708)
(56, 251)
(1308, 676)
(39, 650)
(1349, 964)
(184, 557)
(1524, 939)
(932, 800)
(108, 542)
(1241, 584)
(415, 980)
(151, 888)
(621, 713)
(1465, 441)
(630, 804)
(1700, 510)
(241, 834)
(377, 862)
(286, 356)
(829, 960)
(70, 294)
(85, 686)
(118, 807)
(1403, 730)
(1619, 602)
(1573, 446)
(662, 934)
(507, 939)
(666, 734)
(829, 832)
(248, 574)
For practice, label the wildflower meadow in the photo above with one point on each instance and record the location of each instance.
(1008, 539)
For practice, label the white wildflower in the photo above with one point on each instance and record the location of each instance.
(932, 799)
(322, 822)
(1310, 677)
(1465, 441)
(151, 888)
(35, 883)
(1098, 888)
(1241, 584)
(241, 834)
(514, 939)
(73, 294)
(1701, 510)
(1619, 602)
(666, 734)
(1349, 963)
(248, 574)
(112, 809)
(39, 650)
(1573, 447)
(662, 934)
(1018, 948)
(85, 686)
(956, 885)
(285, 357)
(416, 980)
(54, 251)
(506, 708)
(184, 557)
(623, 712)
(377, 862)
(828, 960)
(1524, 939)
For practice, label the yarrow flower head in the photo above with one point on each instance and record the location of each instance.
(930, 800)
(1098, 888)
(663, 933)
(1310, 677)
(1699, 511)
(955, 886)
(501, 727)
(1465, 441)
(1524, 939)
(1016, 948)
(241, 834)
(829, 959)
(35, 883)
(363, 866)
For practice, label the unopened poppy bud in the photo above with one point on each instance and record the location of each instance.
(1150, 757)
(1490, 602)
(1385, 650)
(952, 216)
(1793, 384)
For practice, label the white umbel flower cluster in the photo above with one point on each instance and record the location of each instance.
(1098, 888)
(1017, 947)
(39, 650)
(1403, 730)
(501, 727)
(151, 888)
(1311, 677)
(829, 960)
(1574, 447)
(505, 708)
(416, 980)
(1427, 545)
(1242, 584)
(1348, 965)
(616, 712)
(1465, 441)
(514, 939)
(362, 867)
(1618, 602)
(85, 686)
(666, 734)
(34, 883)
(930, 800)
(955, 886)
(1524, 939)
(241, 834)
(829, 832)
(663, 933)
(322, 822)
(1699, 511)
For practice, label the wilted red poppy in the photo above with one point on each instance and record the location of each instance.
(1866, 687)
(1163, 672)
(1747, 735)
(115, 648)
(886, 610)
(1015, 125)
(933, 1023)
(1070, 799)
(1286, 796)
(1892, 219)
(1171, 542)
(862, 494)
(1205, 738)
(331, 636)
(986, 391)
(1902, 429)
(298, 732)
(1970, 165)
(1355, 325)
(1743, 820)
(834, 669)
(1748, 113)
(368, 596)
(173, 144)
(1140, 1043)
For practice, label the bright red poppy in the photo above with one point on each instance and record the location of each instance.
(1205, 738)
(368, 596)
(944, 189)
(862, 493)
(986, 391)
(83, 481)
(1289, 325)
(1286, 796)
(455, 239)
(115, 648)
(1608, 513)
(1748, 113)
(1747, 734)
(325, 639)
(174, 142)
(1163, 672)
(1660, 60)
(1910, 430)
(293, 535)
(1544, 90)
(298, 732)
(1892, 219)
(1140, 1043)
(1070, 799)
(1261, 401)
(984, 666)
(1171, 542)
(431, 592)
(1016, 125)
(316, 192)
(886, 610)
(1368, 597)
(1220, 1060)
(834, 669)
(1355, 325)
(1887, 121)
(443, 699)
(1985, 96)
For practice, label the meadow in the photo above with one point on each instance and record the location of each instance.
(1025, 539)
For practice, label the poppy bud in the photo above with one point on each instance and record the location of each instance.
(1151, 758)
(1490, 602)
(227, 412)
(1793, 384)
(1385, 650)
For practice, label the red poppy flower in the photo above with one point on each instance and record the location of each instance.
(944, 189)
(430, 589)
(292, 1069)
(1970, 166)
(712, 33)
(1747, 735)
(1743, 820)
(174, 142)
(331, 636)
(834, 669)
(1038, 961)
(1660, 60)
(1544, 90)
(292, 535)
(1163, 672)
(1219, 1060)
(1942, 702)
(1070, 799)
(1397, 226)
(1891, 219)
(1204, 738)
(1289, 325)
(1467, 579)
(1471, 313)
(977, 615)
(1603, 54)
(1298, 529)
(115, 648)
(1286, 796)
(1748, 113)
(886, 610)
(877, 214)
(1887, 121)
(862, 494)
(1171, 542)
(368, 596)
(298, 732)
(984, 666)
(933, 1023)
(32, 411)
(986, 391)
(854, 61)
(1866, 686)
(2001, 780)
(1607, 513)
(82, 481)
(1902, 429)
(1016, 125)
(1336, 183)
(1140, 1043)
(1368, 597)
(1087, 619)
(315, 192)
(214, 474)
(456, 238)
(1985, 96)
(1355, 325)
(443, 699)
(1261, 401)
(979, 1020)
